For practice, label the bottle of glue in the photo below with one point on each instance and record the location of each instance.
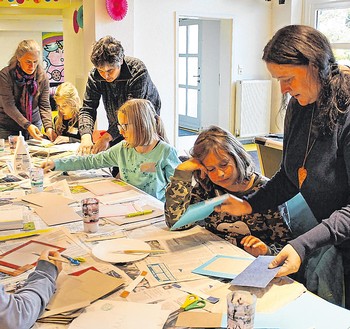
(22, 163)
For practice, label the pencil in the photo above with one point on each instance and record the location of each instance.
(59, 259)
(139, 213)
(53, 258)
(136, 251)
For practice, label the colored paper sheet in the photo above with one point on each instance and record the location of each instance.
(224, 266)
(199, 211)
(257, 274)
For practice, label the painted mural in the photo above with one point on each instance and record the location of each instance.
(53, 56)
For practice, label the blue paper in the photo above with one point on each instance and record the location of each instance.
(203, 269)
(307, 311)
(199, 211)
(257, 274)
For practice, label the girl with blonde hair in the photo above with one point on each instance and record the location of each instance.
(144, 158)
(66, 122)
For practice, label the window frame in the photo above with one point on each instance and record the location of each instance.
(311, 7)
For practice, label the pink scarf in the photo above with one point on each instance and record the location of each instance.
(30, 87)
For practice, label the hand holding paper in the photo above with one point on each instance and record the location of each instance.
(199, 211)
(257, 274)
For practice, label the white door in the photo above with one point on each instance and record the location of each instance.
(189, 74)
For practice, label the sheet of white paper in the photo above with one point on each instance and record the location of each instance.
(116, 209)
(121, 197)
(104, 187)
(117, 314)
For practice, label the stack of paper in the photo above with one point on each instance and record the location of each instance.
(11, 218)
(61, 213)
(75, 293)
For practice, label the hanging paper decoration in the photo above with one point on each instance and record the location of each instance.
(80, 17)
(22, 1)
(117, 9)
(75, 22)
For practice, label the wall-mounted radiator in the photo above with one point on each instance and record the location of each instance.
(253, 107)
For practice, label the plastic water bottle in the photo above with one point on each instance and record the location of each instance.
(22, 162)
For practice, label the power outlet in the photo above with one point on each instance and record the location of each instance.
(240, 69)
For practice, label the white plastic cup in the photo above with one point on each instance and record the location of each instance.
(240, 310)
(90, 211)
(36, 179)
(12, 142)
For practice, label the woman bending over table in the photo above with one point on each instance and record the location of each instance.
(24, 94)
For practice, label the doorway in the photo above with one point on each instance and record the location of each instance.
(189, 87)
(204, 65)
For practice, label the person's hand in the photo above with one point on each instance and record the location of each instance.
(86, 145)
(61, 140)
(45, 256)
(290, 259)
(192, 165)
(51, 134)
(102, 143)
(234, 206)
(47, 165)
(34, 132)
(254, 246)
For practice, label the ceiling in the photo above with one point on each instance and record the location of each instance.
(38, 4)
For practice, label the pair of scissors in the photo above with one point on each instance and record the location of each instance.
(192, 302)
(73, 261)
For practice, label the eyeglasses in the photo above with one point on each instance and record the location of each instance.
(123, 126)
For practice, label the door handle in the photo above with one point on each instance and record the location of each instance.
(196, 76)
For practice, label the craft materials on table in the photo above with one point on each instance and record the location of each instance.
(139, 213)
(53, 258)
(140, 251)
(108, 250)
(224, 266)
(133, 284)
(257, 274)
(192, 302)
(198, 211)
(210, 299)
(21, 258)
(23, 234)
(240, 310)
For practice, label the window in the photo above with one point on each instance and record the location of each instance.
(333, 19)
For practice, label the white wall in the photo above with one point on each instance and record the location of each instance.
(282, 15)
(9, 41)
(12, 32)
(154, 40)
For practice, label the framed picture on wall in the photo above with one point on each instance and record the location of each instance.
(53, 57)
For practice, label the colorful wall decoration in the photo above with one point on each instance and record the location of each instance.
(117, 9)
(53, 56)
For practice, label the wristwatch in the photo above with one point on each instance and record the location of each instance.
(26, 125)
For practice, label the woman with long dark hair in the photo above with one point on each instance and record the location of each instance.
(316, 148)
